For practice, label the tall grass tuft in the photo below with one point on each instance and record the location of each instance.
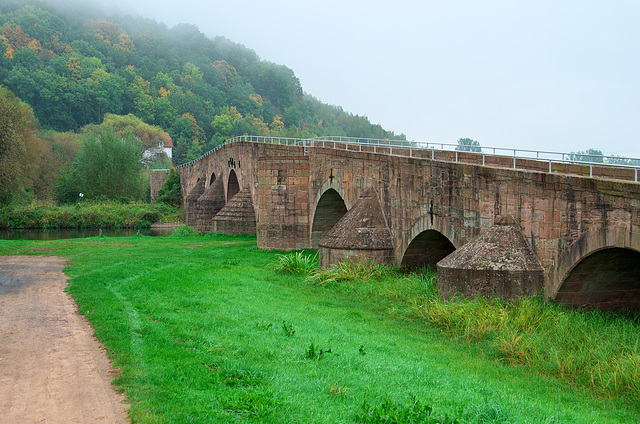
(376, 281)
(588, 348)
(391, 411)
(300, 262)
(349, 270)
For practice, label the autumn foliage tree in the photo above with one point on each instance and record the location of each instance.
(20, 148)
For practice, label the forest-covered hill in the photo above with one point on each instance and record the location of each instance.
(74, 66)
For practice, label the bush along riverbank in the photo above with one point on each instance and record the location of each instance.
(87, 215)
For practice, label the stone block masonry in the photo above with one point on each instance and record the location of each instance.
(283, 199)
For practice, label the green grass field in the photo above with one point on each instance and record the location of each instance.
(205, 330)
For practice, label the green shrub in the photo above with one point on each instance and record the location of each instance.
(349, 270)
(185, 231)
(391, 412)
(83, 215)
(300, 262)
(170, 192)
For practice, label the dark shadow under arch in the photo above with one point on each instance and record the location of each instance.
(213, 178)
(606, 279)
(330, 209)
(233, 187)
(426, 250)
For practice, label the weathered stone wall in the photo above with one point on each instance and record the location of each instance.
(157, 180)
(283, 202)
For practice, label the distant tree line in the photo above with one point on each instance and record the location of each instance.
(596, 156)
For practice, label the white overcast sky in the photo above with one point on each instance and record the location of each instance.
(542, 75)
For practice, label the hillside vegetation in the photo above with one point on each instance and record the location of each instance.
(73, 67)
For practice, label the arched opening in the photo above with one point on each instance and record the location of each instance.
(606, 279)
(426, 250)
(213, 178)
(233, 187)
(330, 209)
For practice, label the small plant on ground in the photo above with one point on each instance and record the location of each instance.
(314, 352)
(300, 262)
(389, 411)
(287, 329)
(266, 326)
(337, 389)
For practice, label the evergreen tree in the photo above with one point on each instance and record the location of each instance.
(170, 191)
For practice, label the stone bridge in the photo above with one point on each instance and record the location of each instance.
(494, 225)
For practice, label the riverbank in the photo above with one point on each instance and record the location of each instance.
(88, 215)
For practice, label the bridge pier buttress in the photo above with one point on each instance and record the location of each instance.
(209, 204)
(283, 199)
(360, 235)
(497, 263)
(191, 203)
(237, 216)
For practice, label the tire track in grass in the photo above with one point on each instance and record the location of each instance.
(137, 347)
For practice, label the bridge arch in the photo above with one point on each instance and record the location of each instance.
(233, 187)
(428, 241)
(212, 179)
(330, 205)
(601, 269)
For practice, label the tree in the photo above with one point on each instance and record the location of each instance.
(149, 135)
(589, 155)
(109, 166)
(60, 151)
(20, 148)
(468, 145)
(170, 193)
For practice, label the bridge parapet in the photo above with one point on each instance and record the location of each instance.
(599, 166)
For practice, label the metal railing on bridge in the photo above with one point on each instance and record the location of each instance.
(456, 154)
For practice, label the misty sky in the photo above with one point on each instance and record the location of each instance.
(541, 75)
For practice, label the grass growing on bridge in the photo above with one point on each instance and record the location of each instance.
(205, 331)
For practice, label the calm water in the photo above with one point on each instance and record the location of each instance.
(78, 233)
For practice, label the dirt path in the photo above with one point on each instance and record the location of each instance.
(52, 369)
